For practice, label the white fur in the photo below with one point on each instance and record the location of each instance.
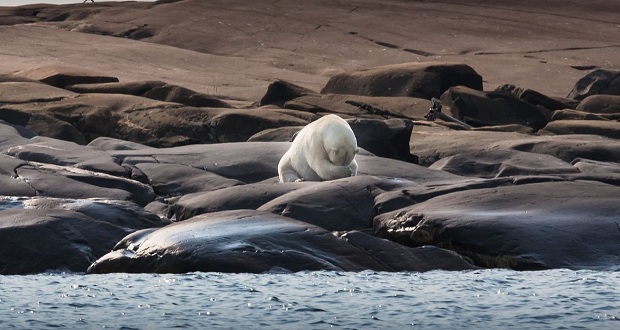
(323, 150)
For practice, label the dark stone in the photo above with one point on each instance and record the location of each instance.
(387, 138)
(63, 153)
(523, 227)
(249, 196)
(502, 163)
(281, 91)
(257, 242)
(178, 94)
(599, 81)
(240, 125)
(64, 235)
(534, 98)
(357, 106)
(339, 205)
(423, 80)
(177, 180)
(478, 108)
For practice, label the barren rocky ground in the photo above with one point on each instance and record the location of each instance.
(144, 137)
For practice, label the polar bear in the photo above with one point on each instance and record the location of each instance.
(323, 150)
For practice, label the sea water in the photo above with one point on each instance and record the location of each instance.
(488, 299)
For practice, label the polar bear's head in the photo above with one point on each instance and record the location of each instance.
(342, 155)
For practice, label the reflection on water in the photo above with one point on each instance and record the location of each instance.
(313, 300)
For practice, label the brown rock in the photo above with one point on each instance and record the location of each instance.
(423, 80)
(601, 104)
(609, 129)
(281, 91)
(59, 76)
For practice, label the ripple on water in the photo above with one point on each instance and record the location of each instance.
(490, 298)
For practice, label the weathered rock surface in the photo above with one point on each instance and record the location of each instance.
(609, 129)
(60, 76)
(511, 226)
(43, 234)
(599, 81)
(421, 80)
(253, 241)
(600, 104)
(478, 108)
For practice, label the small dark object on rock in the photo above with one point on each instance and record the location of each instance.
(435, 112)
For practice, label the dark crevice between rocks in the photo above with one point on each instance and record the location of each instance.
(493, 261)
(17, 176)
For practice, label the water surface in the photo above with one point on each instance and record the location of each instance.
(314, 300)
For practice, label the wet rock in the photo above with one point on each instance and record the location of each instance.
(256, 242)
(339, 205)
(248, 196)
(39, 234)
(177, 180)
(423, 80)
(599, 81)
(529, 226)
(478, 108)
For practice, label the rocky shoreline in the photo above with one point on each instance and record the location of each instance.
(103, 174)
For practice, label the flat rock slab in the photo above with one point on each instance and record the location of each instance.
(255, 242)
(26, 92)
(532, 226)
